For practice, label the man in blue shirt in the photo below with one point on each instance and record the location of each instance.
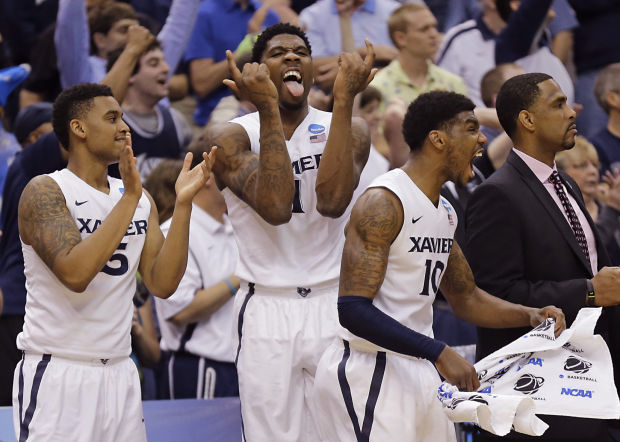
(221, 25)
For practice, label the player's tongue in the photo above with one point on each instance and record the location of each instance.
(295, 88)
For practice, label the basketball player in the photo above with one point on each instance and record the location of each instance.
(84, 235)
(288, 222)
(379, 381)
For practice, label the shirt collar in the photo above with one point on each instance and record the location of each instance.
(368, 6)
(540, 169)
(487, 34)
(208, 222)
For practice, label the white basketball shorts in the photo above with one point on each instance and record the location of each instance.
(58, 399)
(279, 338)
(378, 396)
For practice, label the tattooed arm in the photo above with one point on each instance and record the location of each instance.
(472, 304)
(46, 224)
(265, 182)
(348, 145)
(375, 222)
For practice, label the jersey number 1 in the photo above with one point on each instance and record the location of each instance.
(432, 276)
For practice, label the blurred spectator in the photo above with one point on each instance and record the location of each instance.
(10, 78)
(413, 29)
(607, 140)
(473, 48)
(368, 109)
(32, 123)
(326, 21)
(158, 131)
(105, 30)
(221, 25)
(581, 163)
(596, 45)
(196, 321)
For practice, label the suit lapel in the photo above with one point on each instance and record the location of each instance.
(556, 215)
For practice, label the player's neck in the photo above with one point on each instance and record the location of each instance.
(426, 174)
(93, 173)
(292, 118)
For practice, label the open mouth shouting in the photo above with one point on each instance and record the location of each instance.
(293, 80)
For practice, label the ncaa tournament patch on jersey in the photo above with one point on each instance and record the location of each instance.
(448, 208)
(317, 133)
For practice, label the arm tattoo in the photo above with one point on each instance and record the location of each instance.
(44, 220)
(458, 278)
(375, 223)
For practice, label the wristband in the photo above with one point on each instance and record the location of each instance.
(590, 294)
(231, 287)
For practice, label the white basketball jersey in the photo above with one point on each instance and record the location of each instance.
(96, 323)
(418, 256)
(306, 251)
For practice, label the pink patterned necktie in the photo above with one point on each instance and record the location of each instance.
(570, 213)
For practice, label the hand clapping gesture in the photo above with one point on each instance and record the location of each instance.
(190, 181)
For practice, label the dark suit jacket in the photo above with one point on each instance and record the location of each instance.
(521, 248)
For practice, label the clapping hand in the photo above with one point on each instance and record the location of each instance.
(190, 181)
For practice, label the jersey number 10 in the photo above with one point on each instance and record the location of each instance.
(432, 276)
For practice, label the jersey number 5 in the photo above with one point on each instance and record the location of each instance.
(432, 276)
(122, 266)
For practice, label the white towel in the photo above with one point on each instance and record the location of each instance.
(537, 373)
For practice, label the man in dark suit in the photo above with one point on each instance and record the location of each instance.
(530, 238)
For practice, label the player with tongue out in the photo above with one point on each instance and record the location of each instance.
(288, 172)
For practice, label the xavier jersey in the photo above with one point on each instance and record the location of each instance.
(306, 251)
(418, 256)
(96, 323)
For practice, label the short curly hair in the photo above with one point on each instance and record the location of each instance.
(272, 31)
(432, 111)
(75, 102)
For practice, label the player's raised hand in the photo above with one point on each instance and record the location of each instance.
(190, 181)
(354, 74)
(128, 170)
(457, 370)
(538, 315)
(253, 84)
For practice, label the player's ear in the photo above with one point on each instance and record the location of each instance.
(437, 139)
(77, 128)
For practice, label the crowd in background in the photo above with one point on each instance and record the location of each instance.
(165, 61)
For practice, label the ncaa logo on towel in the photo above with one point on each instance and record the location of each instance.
(529, 384)
(316, 129)
(577, 365)
(545, 325)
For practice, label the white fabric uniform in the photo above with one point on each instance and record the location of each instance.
(79, 328)
(286, 308)
(368, 391)
(212, 257)
(466, 52)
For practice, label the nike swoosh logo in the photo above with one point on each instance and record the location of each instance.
(78, 203)
(415, 220)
